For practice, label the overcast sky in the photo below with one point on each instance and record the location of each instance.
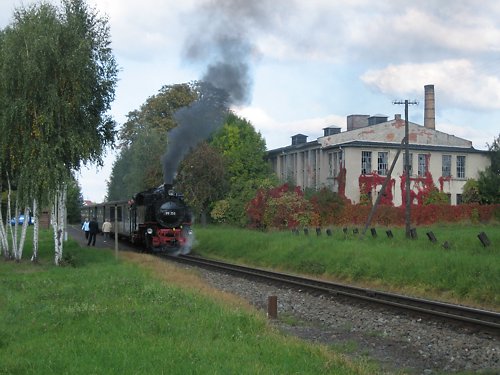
(309, 64)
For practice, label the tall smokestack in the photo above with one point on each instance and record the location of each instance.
(429, 108)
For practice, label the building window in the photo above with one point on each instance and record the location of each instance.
(460, 166)
(382, 163)
(422, 165)
(331, 164)
(446, 166)
(410, 156)
(335, 162)
(366, 162)
(459, 199)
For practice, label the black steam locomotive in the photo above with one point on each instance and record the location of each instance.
(162, 220)
(157, 219)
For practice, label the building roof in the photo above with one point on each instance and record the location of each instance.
(393, 131)
(418, 147)
(387, 134)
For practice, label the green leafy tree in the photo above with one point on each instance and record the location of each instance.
(489, 179)
(116, 188)
(58, 79)
(202, 179)
(244, 151)
(143, 140)
(144, 168)
(470, 192)
(157, 112)
(74, 199)
(243, 147)
(434, 196)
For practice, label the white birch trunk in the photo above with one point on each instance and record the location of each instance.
(13, 233)
(57, 221)
(3, 227)
(36, 229)
(53, 222)
(4, 243)
(19, 250)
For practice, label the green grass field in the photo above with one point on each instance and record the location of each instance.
(467, 272)
(137, 315)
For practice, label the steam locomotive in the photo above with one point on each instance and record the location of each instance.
(158, 220)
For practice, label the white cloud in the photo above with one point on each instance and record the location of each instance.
(278, 134)
(479, 139)
(458, 83)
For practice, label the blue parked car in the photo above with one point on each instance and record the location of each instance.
(20, 220)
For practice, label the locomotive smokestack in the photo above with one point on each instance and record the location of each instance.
(168, 189)
(429, 108)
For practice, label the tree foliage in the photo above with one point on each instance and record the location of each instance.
(58, 83)
(74, 199)
(470, 192)
(58, 77)
(157, 112)
(244, 151)
(489, 180)
(434, 196)
(243, 148)
(202, 178)
(328, 204)
(281, 207)
(143, 140)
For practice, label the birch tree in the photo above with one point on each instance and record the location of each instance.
(58, 79)
(4, 243)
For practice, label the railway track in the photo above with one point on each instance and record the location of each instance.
(476, 317)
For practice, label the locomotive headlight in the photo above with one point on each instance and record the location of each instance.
(149, 231)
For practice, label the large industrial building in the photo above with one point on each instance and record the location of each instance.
(356, 162)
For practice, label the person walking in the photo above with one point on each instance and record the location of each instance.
(93, 230)
(85, 228)
(106, 229)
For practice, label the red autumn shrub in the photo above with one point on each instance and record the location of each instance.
(283, 207)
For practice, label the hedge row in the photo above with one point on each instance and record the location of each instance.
(285, 207)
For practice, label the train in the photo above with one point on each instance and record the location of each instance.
(157, 220)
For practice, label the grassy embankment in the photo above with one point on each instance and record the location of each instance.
(98, 315)
(467, 272)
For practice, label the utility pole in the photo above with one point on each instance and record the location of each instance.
(116, 231)
(382, 189)
(407, 167)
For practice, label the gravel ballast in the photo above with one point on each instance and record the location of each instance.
(398, 341)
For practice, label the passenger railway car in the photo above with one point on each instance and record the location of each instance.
(158, 220)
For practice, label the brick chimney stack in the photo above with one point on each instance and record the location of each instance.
(429, 108)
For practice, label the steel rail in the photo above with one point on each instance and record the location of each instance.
(478, 317)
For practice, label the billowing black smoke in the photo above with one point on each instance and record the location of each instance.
(194, 124)
(221, 42)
